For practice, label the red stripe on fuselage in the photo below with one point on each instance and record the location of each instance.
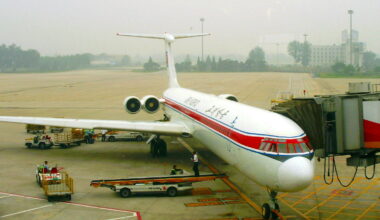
(246, 140)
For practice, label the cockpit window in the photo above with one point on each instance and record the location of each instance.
(285, 145)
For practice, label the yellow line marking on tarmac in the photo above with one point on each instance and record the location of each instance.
(353, 199)
(367, 210)
(225, 180)
(322, 203)
(295, 210)
(309, 195)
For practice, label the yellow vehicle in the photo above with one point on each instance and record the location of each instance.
(57, 185)
(67, 138)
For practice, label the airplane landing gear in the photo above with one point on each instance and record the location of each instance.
(269, 211)
(158, 147)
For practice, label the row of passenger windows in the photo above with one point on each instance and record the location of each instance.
(280, 146)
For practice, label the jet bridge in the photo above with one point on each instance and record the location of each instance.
(346, 124)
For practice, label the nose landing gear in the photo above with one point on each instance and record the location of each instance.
(158, 147)
(271, 210)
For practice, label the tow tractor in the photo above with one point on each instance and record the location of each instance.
(39, 141)
(171, 184)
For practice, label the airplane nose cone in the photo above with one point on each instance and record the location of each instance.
(295, 174)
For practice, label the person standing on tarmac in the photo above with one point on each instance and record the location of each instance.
(195, 160)
(104, 132)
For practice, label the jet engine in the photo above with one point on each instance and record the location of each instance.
(150, 103)
(229, 97)
(132, 104)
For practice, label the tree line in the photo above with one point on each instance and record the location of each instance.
(15, 59)
(255, 62)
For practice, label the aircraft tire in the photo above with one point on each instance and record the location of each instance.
(275, 214)
(154, 148)
(265, 211)
(162, 148)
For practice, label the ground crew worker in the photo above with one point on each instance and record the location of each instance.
(176, 171)
(104, 132)
(195, 160)
(44, 168)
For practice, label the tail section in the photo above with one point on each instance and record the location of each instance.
(169, 39)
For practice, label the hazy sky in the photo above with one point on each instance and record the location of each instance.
(77, 26)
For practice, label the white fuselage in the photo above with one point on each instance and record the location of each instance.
(238, 134)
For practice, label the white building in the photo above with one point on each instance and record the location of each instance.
(327, 55)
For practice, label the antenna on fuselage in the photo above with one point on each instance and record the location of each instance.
(169, 39)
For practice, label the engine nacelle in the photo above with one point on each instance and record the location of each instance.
(132, 104)
(229, 97)
(150, 103)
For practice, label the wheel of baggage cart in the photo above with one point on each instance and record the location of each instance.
(79, 143)
(125, 192)
(171, 191)
(112, 139)
(38, 180)
(28, 145)
(68, 197)
(139, 138)
(63, 146)
(50, 198)
(42, 145)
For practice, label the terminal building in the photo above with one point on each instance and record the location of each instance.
(327, 55)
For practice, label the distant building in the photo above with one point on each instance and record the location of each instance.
(327, 55)
(346, 36)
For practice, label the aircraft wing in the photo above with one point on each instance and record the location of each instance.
(156, 127)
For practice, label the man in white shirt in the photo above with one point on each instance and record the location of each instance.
(195, 160)
(104, 132)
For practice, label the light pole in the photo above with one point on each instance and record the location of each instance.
(202, 20)
(277, 45)
(350, 12)
(305, 55)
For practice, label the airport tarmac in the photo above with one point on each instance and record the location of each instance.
(99, 95)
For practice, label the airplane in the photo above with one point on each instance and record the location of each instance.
(267, 147)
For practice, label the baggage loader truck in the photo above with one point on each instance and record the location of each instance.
(171, 184)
